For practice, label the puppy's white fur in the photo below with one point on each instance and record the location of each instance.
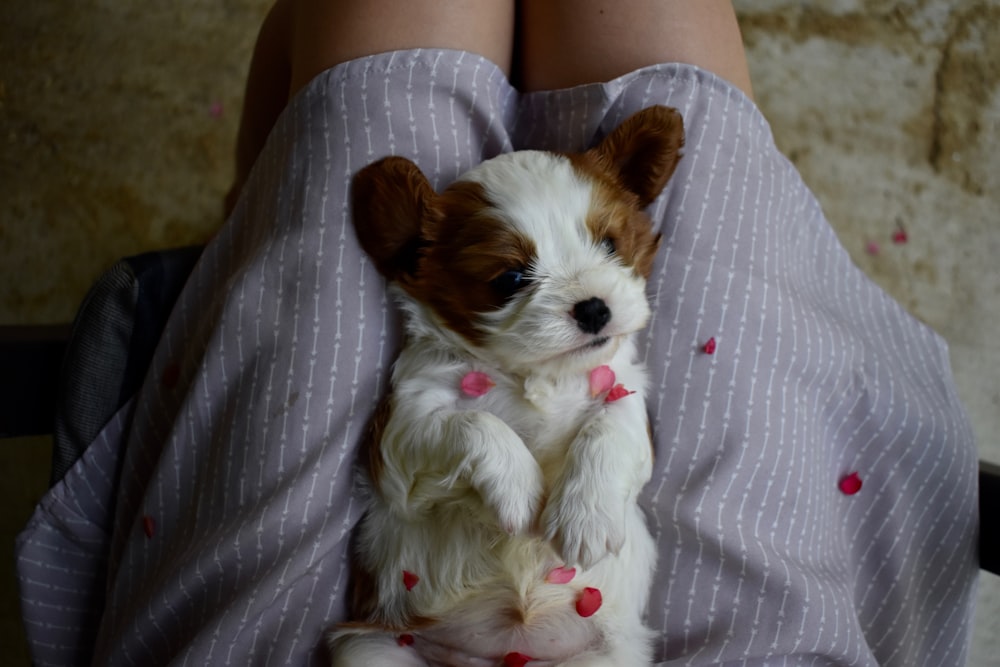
(483, 496)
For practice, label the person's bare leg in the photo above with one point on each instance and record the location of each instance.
(265, 95)
(328, 32)
(569, 42)
(301, 38)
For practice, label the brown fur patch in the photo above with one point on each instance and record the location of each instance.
(642, 153)
(466, 247)
(628, 170)
(363, 606)
(389, 204)
(414, 624)
(364, 592)
(614, 214)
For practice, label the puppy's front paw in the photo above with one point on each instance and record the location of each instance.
(509, 480)
(582, 527)
(515, 501)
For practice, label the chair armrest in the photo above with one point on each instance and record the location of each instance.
(30, 362)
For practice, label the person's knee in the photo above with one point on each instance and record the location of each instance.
(330, 32)
(570, 42)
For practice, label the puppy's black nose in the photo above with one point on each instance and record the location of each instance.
(591, 315)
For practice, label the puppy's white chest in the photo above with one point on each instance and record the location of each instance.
(545, 412)
(550, 397)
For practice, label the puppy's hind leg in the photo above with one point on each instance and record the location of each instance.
(372, 650)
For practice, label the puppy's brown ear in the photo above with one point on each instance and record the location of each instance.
(391, 200)
(643, 151)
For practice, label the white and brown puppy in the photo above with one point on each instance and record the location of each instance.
(506, 462)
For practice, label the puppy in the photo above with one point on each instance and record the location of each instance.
(505, 463)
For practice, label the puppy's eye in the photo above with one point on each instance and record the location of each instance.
(509, 282)
(608, 244)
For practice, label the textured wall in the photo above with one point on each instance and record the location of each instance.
(117, 121)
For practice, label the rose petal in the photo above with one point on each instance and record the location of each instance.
(410, 580)
(589, 602)
(476, 384)
(709, 347)
(561, 575)
(617, 392)
(850, 484)
(515, 659)
(602, 379)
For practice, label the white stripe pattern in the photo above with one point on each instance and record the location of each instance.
(283, 339)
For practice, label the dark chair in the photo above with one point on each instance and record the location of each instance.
(69, 380)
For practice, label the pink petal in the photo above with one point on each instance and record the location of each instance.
(476, 384)
(851, 484)
(561, 575)
(602, 379)
(515, 659)
(617, 392)
(589, 602)
(410, 580)
(709, 347)
(900, 236)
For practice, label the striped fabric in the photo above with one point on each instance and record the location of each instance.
(209, 523)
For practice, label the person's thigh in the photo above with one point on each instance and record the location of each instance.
(570, 42)
(327, 33)
(277, 352)
(301, 38)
